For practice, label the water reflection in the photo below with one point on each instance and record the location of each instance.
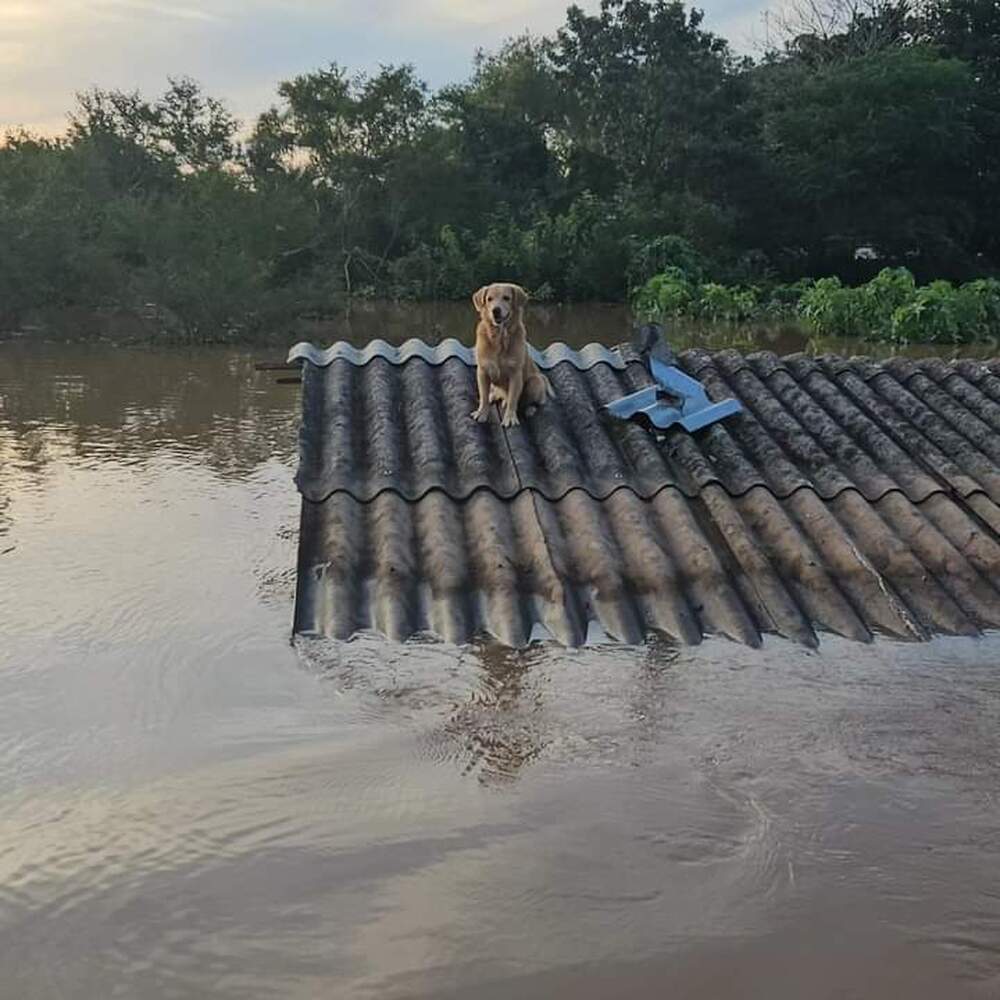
(500, 728)
(493, 712)
(482, 705)
(129, 404)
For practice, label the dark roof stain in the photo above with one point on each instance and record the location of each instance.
(851, 496)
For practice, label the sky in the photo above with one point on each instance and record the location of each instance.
(240, 49)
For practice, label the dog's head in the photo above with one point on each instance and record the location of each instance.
(500, 303)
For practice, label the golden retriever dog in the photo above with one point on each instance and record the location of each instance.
(505, 372)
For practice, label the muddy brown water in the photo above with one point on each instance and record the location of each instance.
(191, 806)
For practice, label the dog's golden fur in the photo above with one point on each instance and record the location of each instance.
(505, 372)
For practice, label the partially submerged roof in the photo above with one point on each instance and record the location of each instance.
(850, 496)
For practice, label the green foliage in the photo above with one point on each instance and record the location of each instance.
(724, 303)
(829, 307)
(229, 278)
(889, 307)
(785, 299)
(651, 257)
(933, 314)
(981, 306)
(872, 151)
(630, 153)
(184, 128)
(588, 251)
(648, 91)
(942, 313)
(891, 288)
(668, 294)
(140, 210)
(675, 293)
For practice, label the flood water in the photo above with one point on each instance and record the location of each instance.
(193, 806)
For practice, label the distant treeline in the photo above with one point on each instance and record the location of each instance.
(865, 135)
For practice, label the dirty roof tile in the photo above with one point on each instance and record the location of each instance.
(849, 496)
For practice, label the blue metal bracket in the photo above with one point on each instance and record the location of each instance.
(675, 399)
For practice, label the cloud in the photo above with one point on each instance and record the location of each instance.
(486, 12)
(240, 49)
(163, 9)
(18, 15)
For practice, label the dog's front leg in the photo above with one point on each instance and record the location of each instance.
(482, 414)
(514, 387)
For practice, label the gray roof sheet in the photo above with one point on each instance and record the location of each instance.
(849, 495)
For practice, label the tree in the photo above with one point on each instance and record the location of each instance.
(965, 29)
(332, 124)
(184, 128)
(969, 30)
(346, 136)
(824, 31)
(502, 126)
(649, 91)
(873, 150)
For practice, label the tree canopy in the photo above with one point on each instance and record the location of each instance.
(867, 135)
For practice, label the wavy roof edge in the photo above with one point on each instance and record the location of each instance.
(693, 360)
(368, 496)
(583, 359)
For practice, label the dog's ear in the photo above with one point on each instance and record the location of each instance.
(479, 298)
(520, 298)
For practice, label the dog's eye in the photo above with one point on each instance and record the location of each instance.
(506, 298)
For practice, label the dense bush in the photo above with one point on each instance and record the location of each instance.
(106, 226)
(889, 307)
(592, 250)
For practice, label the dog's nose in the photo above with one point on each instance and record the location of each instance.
(497, 313)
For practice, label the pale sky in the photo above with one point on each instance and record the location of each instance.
(240, 49)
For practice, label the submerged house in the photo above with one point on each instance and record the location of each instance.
(848, 496)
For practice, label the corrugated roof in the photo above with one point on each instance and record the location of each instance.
(436, 354)
(851, 496)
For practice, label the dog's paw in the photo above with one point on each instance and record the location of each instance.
(481, 415)
(510, 419)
